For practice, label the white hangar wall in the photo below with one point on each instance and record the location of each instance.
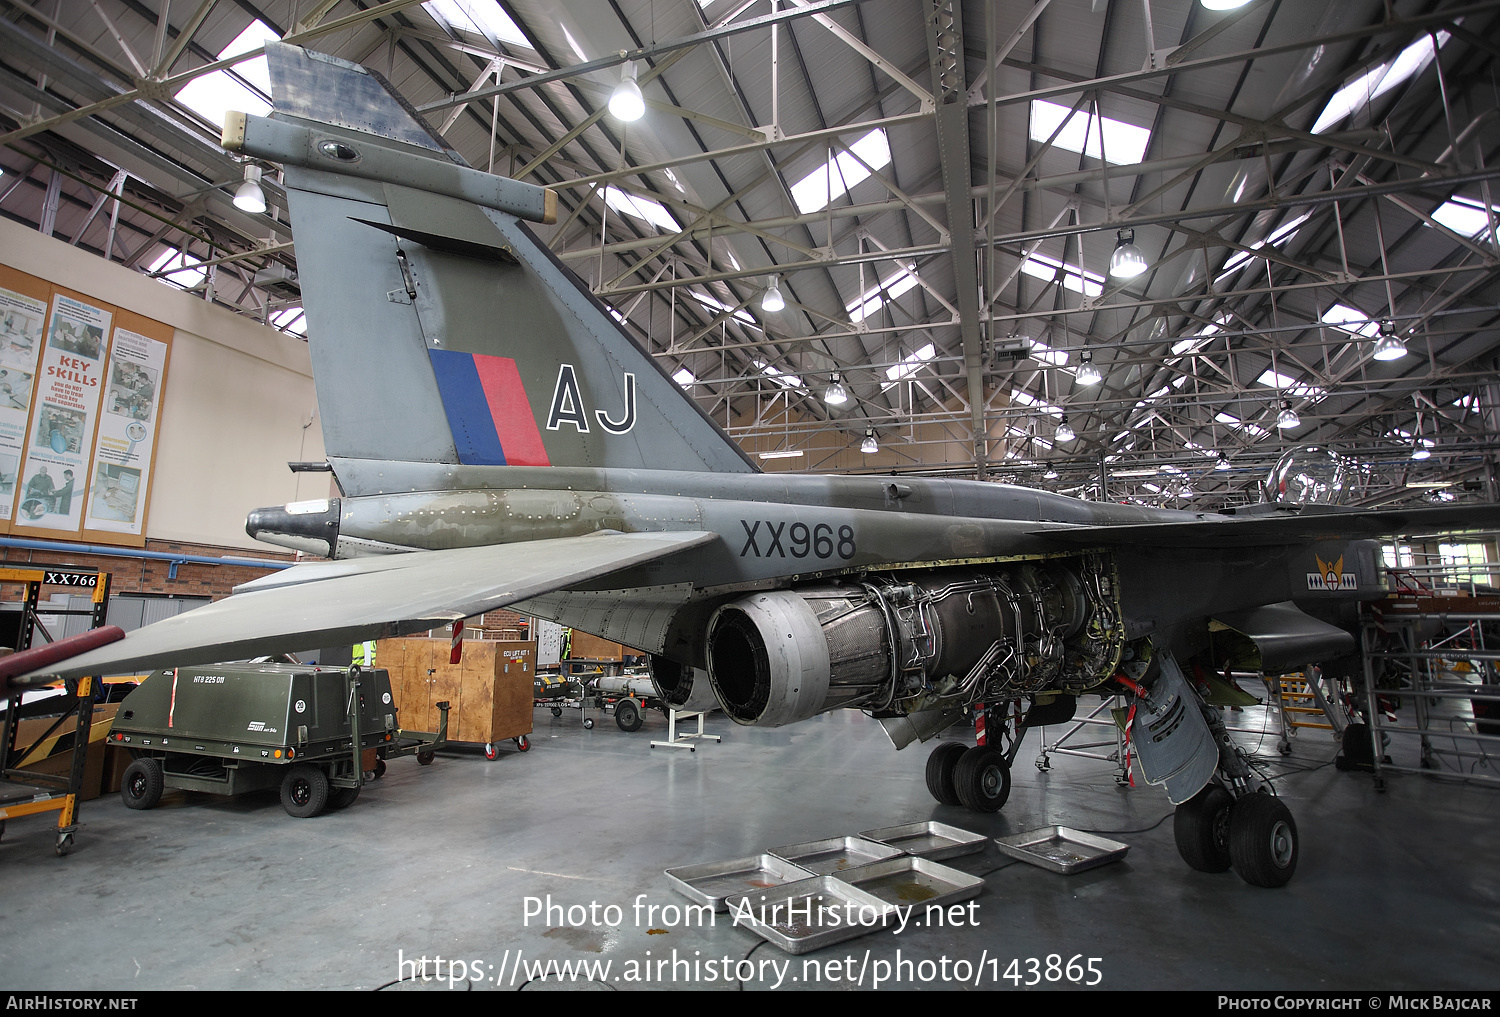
(238, 396)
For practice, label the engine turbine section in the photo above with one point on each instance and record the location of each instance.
(897, 645)
(685, 689)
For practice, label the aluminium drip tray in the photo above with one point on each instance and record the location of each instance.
(715, 883)
(1063, 850)
(835, 854)
(813, 913)
(931, 840)
(908, 881)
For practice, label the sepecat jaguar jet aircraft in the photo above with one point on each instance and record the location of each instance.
(500, 441)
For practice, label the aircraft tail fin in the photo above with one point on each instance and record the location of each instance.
(442, 329)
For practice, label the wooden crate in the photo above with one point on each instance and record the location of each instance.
(489, 691)
(587, 647)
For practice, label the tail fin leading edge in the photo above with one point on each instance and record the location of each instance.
(441, 328)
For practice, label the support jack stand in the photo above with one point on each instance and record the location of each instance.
(684, 741)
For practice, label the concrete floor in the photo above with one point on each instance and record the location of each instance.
(1394, 890)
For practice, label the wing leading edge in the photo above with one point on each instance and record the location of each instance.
(325, 604)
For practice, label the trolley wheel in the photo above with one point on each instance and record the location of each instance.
(379, 768)
(588, 723)
(142, 784)
(557, 711)
(523, 743)
(64, 844)
(304, 791)
(982, 778)
(940, 766)
(341, 797)
(426, 756)
(628, 716)
(490, 752)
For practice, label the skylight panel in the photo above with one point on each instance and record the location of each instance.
(911, 363)
(1045, 354)
(722, 308)
(1348, 319)
(477, 17)
(1039, 266)
(684, 377)
(291, 320)
(1240, 425)
(1378, 80)
(212, 95)
(779, 377)
(1466, 217)
(870, 301)
(185, 277)
(841, 173)
(1290, 387)
(641, 208)
(1123, 143)
(1029, 400)
(1286, 231)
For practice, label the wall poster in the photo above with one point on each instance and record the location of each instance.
(127, 433)
(21, 321)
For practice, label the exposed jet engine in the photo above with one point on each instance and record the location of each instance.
(899, 644)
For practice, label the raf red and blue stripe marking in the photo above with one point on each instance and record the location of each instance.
(487, 409)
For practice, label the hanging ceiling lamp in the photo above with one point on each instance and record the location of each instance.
(869, 446)
(249, 197)
(1288, 418)
(626, 102)
(1222, 463)
(1088, 374)
(1127, 262)
(835, 394)
(1389, 346)
(1064, 432)
(773, 301)
(1051, 474)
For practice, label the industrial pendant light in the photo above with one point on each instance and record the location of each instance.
(1051, 474)
(1222, 463)
(1064, 432)
(869, 446)
(1389, 346)
(1127, 262)
(835, 394)
(773, 301)
(1088, 374)
(1288, 418)
(627, 103)
(249, 197)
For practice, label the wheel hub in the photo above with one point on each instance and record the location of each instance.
(301, 792)
(1282, 845)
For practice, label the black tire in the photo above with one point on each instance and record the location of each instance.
(628, 716)
(523, 743)
(1201, 826)
(64, 844)
(1358, 753)
(982, 779)
(304, 791)
(588, 723)
(557, 711)
(142, 785)
(426, 756)
(379, 768)
(341, 797)
(1262, 840)
(940, 766)
(490, 752)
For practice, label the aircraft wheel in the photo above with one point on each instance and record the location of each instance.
(557, 711)
(588, 723)
(304, 791)
(142, 784)
(940, 766)
(1201, 826)
(1262, 840)
(426, 756)
(490, 752)
(341, 797)
(982, 779)
(523, 743)
(628, 716)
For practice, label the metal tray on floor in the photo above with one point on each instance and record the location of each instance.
(1060, 849)
(828, 910)
(932, 840)
(910, 880)
(714, 883)
(831, 856)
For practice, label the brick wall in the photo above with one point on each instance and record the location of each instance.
(151, 575)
